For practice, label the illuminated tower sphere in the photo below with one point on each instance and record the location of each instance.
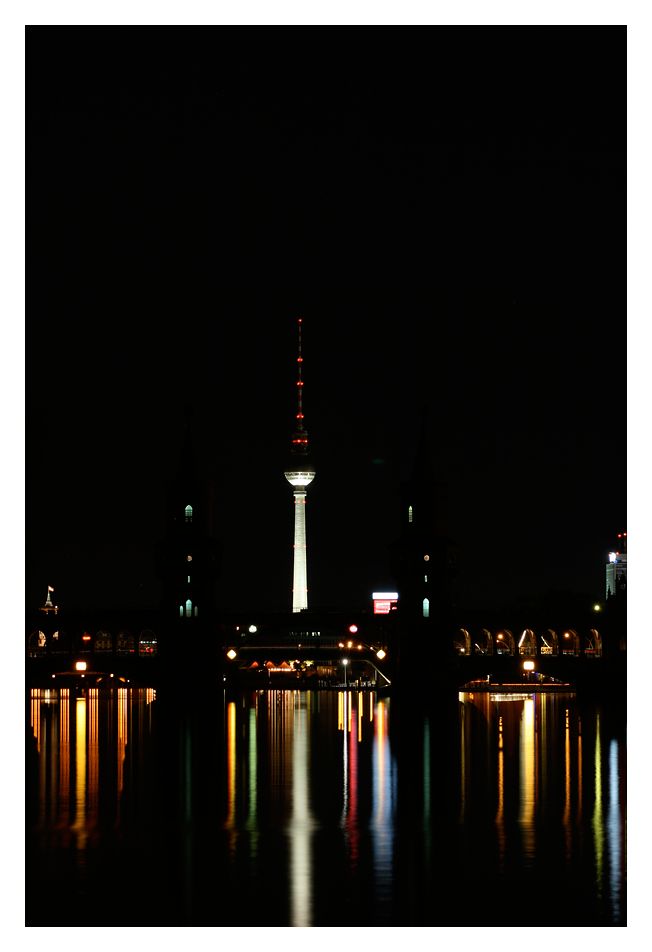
(300, 473)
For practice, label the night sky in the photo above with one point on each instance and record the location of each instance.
(446, 212)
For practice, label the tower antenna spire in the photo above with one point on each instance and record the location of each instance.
(300, 385)
(300, 473)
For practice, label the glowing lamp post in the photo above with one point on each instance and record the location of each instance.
(345, 661)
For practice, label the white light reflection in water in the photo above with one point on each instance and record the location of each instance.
(252, 819)
(613, 830)
(302, 824)
(382, 823)
(527, 791)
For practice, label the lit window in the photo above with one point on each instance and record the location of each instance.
(425, 578)
(426, 607)
(188, 513)
(188, 578)
(188, 608)
(195, 611)
(410, 514)
(180, 611)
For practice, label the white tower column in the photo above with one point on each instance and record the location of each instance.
(300, 586)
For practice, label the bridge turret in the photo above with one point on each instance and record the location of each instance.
(424, 560)
(188, 559)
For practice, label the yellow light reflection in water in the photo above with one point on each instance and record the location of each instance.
(340, 711)
(500, 819)
(93, 758)
(301, 822)
(123, 731)
(598, 831)
(527, 771)
(229, 823)
(567, 806)
(80, 766)
(462, 759)
(64, 757)
(35, 712)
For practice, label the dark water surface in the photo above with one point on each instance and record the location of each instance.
(312, 808)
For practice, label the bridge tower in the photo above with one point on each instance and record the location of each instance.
(300, 473)
(188, 559)
(424, 560)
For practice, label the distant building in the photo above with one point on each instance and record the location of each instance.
(616, 581)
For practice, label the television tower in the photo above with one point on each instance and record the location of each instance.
(300, 472)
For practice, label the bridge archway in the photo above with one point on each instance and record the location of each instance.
(527, 645)
(103, 641)
(61, 643)
(505, 642)
(147, 643)
(462, 642)
(570, 642)
(125, 644)
(483, 643)
(36, 644)
(593, 644)
(549, 643)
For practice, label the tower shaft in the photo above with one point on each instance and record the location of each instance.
(300, 582)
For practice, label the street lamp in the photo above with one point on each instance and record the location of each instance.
(345, 661)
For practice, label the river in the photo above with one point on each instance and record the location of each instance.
(324, 808)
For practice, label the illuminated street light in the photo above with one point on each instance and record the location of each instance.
(345, 662)
(81, 666)
(528, 665)
(231, 654)
(380, 654)
(596, 608)
(252, 629)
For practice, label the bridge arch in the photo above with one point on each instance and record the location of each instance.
(462, 642)
(147, 643)
(570, 643)
(527, 645)
(103, 641)
(593, 644)
(505, 642)
(483, 643)
(36, 644)
(61, 643)
(549, 643)
(125, 643)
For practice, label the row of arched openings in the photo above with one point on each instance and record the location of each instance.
(528, 644)
(80, 642)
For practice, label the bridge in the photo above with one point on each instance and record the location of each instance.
(267, 649)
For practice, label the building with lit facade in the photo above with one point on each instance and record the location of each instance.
(300, 473)
(616, 581)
